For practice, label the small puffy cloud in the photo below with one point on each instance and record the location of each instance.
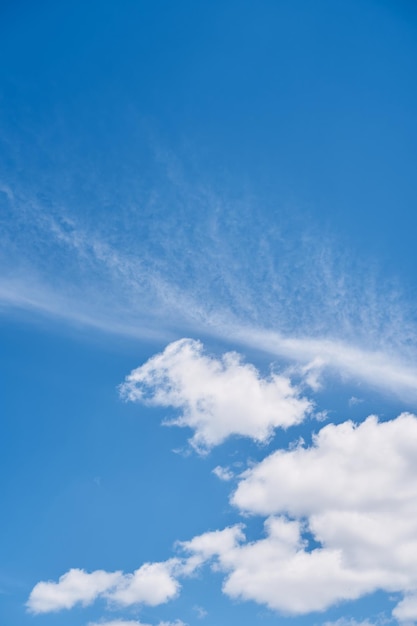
(74, 587)
(151, 584)
(216, 397)
(214, 542)
(205, 547)
(223, 473)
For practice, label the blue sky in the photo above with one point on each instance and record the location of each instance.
(207, 313)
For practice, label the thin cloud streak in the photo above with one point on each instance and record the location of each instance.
(292, 299)
(378, 369)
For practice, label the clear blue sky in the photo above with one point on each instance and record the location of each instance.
(236, 177)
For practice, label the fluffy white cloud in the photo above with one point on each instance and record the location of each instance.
(278, 571)
(151, 584)
(74, 587)
(217, 397)
(354, 491)
(369, 468)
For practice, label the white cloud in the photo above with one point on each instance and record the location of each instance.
(151, 584)
(278, 571)
(369, 468)
(384, 371)
(217, 397)
(355, 492)
(406, 610)
(214, 542)
(74, 587)
(223, 473)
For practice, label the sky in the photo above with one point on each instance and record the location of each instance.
(208, 364)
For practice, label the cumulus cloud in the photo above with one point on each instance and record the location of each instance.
(74, 587)
(341, 522)
(278, 571)
(354, 490)
(151, 584)
(370, 468)
(217, 397)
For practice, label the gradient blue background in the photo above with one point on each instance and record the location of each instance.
(284, 123)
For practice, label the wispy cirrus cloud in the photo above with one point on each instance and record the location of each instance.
(207, 265)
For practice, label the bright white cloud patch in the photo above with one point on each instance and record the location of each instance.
(151, 584)
(74, 587)
(217, 397)
(279, 572)
(355, 491)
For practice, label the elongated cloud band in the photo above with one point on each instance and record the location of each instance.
(151, 584)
